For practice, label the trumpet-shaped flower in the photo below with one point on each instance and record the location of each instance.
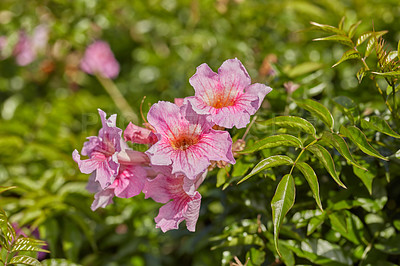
(181, 204)
(102, 151)
(186, 140)
(139, 135)
(99, 59)
(229, 97)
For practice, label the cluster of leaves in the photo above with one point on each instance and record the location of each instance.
(387, 65)
(17, 249)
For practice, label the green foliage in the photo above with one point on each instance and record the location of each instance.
(340, 127)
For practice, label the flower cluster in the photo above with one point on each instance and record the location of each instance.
(183, 143)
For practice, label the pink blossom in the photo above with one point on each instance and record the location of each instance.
(229, 97)
(186, 140)
(23, 51)
(102, 152)
(139, 135)
(99, 59)
(129, 183)
(181, 204)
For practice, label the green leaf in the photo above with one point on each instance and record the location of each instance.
(378, 124)
(338, 38)
(358, 138)
(353, 28)
(272, 161)
(338, 222)
(341, 146)
(318, 110)
(366, 177)
(350, 54)
(256, 256)
(274, 141)
(341, 23)
(312, 180)
(398, 50)
(326, 159)
(361, 74)
(387, 74)
(28, 244)
(2, 189)
(281, 203)
(304, 68)
(25, 260)
(58, 262)
(314, 223)
(327, 28)
(363, 37)
(291, 122)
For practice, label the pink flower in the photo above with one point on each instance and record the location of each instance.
(186, 140)
(23, 51)
(102, 152)
(139, 135)
(99, 59)
(229, 97)
(129, 183)
(181, 198)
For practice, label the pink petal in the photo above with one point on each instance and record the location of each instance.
(131, 157)
(232, 74)
(139, 135)
(130, 182)
(259, 90)
(102, 199)
(204, 81)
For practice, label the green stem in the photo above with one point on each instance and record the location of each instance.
(301, 153)
(118, 98)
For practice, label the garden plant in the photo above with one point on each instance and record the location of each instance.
(226, 132)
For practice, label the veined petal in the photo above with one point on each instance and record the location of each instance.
(232, 74)
(130, 182)
(204, 81)
(85, 166)
(102, 199)
(259, 90)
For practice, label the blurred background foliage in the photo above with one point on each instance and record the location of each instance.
(49, 107)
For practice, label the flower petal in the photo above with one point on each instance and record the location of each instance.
(102, 199)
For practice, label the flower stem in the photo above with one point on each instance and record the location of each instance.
(118, 98)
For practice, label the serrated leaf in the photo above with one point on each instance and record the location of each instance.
(326, 159)
(291, 122)
(327, 28)
(267, 163)
(274, 141)
(304, 68)
(387, 74)
(341, 146)
(312, 180)
(359, 139)
(281, 203)
(25, 260)
(353, 28)
(370, 46)
(350, 54)
(318, 110)
(338, 38)
(378, 124)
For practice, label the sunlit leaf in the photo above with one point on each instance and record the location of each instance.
(361, 74)
(291, 122)
(25, 260)
(387, 74)
(327, 28)
(28, 244)
(341, 146)
(350, 54)
(338, 222)
(58, 262)
(338, 38)
(366, 177)
(378, 124)
(281, 203)
(274, 141)
(358, 138)
(326, 159)
(363, 37)
(315, 222)
(267, 163)
(352, 29)
(2, 189)
(318, 110)
(312, 180)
